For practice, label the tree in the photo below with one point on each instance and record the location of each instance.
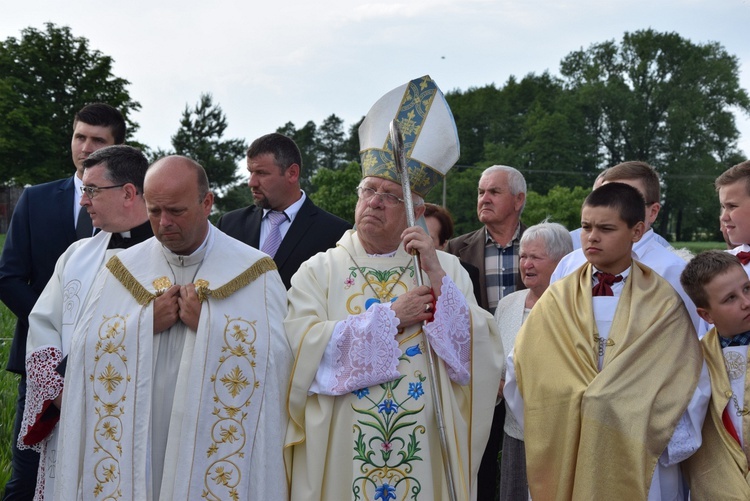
(660, 98)
(46, 76)
(461, 197)
(306, 140)
(200, 137)
(331, 142)
(337, 190)
(236, 196)
(529, 124)
(560, 205)
(351, 143)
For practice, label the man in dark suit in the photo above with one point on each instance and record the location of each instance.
(284, 223)
(494, 249)
(46, 220)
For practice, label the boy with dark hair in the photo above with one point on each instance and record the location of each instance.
(720, 290)
(609, 406)
(652, 250)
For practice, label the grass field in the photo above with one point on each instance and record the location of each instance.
(696, 247)
(8, 390)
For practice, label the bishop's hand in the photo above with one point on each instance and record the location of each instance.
(416, 239)
(414, 307)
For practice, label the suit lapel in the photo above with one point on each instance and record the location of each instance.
(64, 198)
(474, 254)
(252, 226)
(295, 233)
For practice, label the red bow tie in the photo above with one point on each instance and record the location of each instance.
(744, 257)
(604, 287)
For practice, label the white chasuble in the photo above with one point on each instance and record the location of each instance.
(225, 384)
(381, 441)
(51, 325)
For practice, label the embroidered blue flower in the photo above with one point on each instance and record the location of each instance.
(361, 393)
(413, 350)
(386, 407)
(385, 492)
(415, 390)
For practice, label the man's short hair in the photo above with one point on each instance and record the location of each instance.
(636, 170)
(444, 218)
(739, 172)
(516, 181)
(284, 150)
(554, 236)
(702, 269)
(626, 200)
(103, 115)
(124, 164)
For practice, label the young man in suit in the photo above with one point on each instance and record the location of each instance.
(46, 220)
(284, 223)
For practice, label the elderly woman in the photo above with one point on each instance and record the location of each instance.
(542, 247)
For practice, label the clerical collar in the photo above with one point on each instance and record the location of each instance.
(742, 339)
(195, 257)
(127, 239)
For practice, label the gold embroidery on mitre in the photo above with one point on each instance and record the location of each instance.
(244, 279)
(109, 380)
(234, 384)
(123, 275)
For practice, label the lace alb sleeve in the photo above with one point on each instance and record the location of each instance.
(44, 384)
(362, 352)
(449, 333)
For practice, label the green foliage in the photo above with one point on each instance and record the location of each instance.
(237, 196)
(560, 205)
(461, 197)
(331, 142)
(337, 190)
(660, 98)
(200, 137)
(306, 140)
(531, 125)
(46, 76)
(325, 146)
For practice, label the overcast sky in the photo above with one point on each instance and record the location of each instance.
(290, 60)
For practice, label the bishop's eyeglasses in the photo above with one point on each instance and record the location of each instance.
(388, 199)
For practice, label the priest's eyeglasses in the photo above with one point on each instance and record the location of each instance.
(92, 191)
(388, 199)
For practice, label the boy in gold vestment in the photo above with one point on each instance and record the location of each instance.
(609, 406)
(720, 289)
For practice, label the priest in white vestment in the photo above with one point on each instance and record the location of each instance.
(120, 212)
(176, 375)
(362, 416)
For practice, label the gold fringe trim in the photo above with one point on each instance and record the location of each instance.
(143, 296)
(123, 275)
(263, 265)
